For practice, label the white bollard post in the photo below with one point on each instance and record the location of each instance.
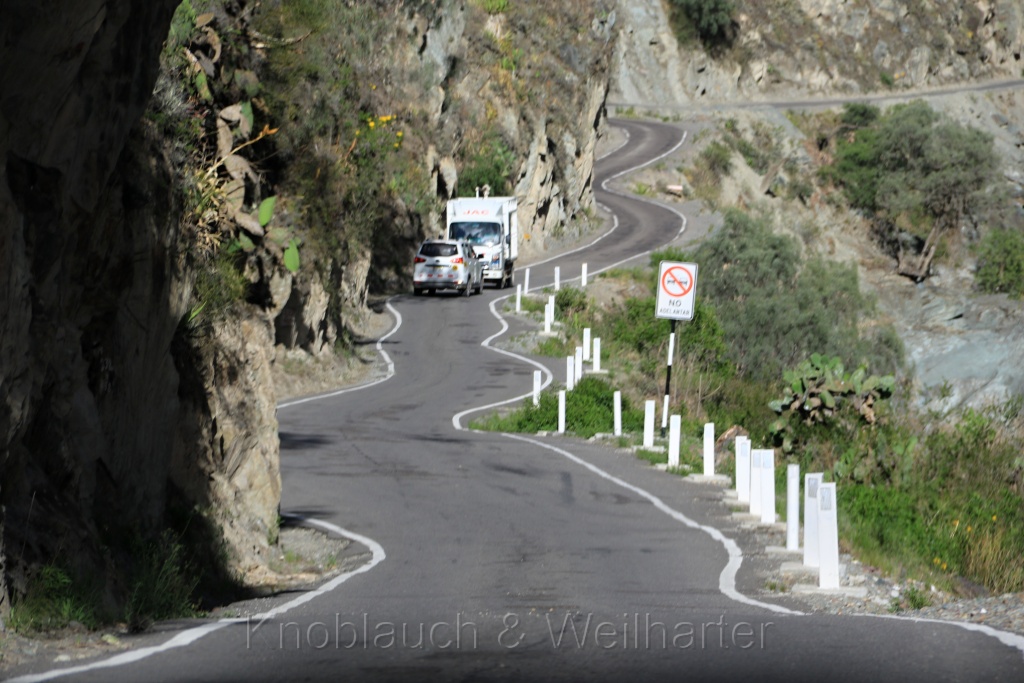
(536, 387)
(617, 428)
(583, 276)
(597, 354)
(792, 506)
(812, 482)
(548, 315)
(558, 278)
(664, 415)
(586, 343)
(755, 482)
(551, 303)
(519, 298)
(649, 424)
(526, 281)
(768, 486)
(674, 429)
(743, 469)
(570, 373)
(709, 449)
(579, 363)
(828, 537)
(561, 411)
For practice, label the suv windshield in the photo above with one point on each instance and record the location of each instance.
(483, 234)
(439, 249)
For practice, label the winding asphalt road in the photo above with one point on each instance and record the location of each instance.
(498, 557)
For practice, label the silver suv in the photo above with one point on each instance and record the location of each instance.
(447, 264)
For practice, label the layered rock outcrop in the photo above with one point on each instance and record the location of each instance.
(125, 406)
(818, 47)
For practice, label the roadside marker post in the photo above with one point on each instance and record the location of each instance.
(586, 343)
(570, 373)
(768, 486)
(755, 482)
(519, 298)
(743, 469)
(561, 411)
(668, 375)
(597, 354)
(664, 416)
(675, 426)
(526, 281)
(583, 276)
(547, 318)
(578, 360)
(649, 424)
(709, 449)
(677, 287)
(558, 277)
(828, 537)
(551, 303)
(536, 387)
(812, 483)
(792, 506)
(617, 428)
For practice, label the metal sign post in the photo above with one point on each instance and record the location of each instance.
(677, 287)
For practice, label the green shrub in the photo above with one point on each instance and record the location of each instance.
(163, 583)
(774, 308)
(1001, 262)
(717, 157)
(490, 162)
(589, 409)
(711, 19)
(53, 600)
(859, 114)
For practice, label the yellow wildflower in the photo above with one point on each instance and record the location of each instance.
(370, 124)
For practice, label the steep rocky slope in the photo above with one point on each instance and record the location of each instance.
(127, 404)
(965, 349)
(787, 49)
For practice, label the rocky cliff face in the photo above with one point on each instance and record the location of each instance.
(119, 411)
(819, 46)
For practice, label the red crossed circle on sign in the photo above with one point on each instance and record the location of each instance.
(677, 281)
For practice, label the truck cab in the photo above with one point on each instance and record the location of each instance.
(491, 226)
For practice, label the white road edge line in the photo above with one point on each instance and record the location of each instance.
(191, 635)
(380, 350)
(615, 219)
(727, 579)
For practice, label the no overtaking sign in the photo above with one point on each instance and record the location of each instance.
(677, 283)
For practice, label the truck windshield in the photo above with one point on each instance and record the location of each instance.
(482, 234)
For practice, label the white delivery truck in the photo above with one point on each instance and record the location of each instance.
(491, 226)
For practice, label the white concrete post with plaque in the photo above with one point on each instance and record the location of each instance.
(755, 482)
(812, 482)
(709, 449)
(743, 469)
(792, 506)
(649, 424)
(617, 414)
(828, 537)
(674, 429)
(561, 411)
(768, 486)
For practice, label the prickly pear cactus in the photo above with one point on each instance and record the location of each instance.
(819, 388)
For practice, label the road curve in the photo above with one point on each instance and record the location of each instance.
(506, 557)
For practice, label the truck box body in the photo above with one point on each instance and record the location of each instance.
(491, 226)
